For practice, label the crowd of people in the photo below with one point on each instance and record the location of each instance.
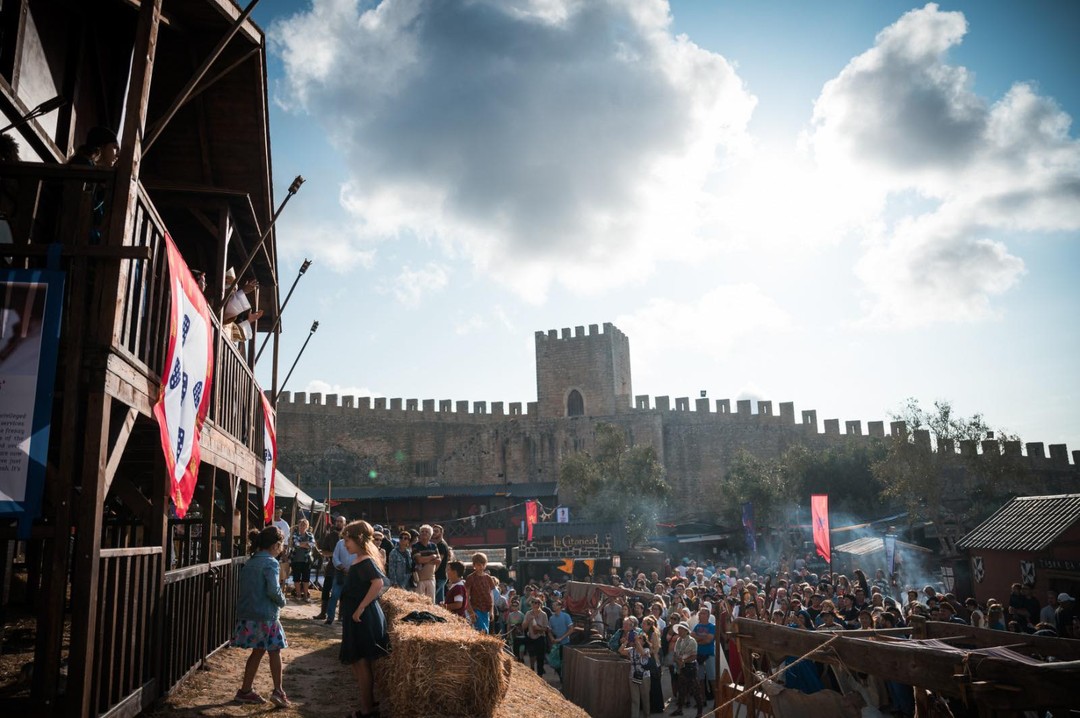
(666, 622)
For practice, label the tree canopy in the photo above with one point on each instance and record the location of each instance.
(616, 482)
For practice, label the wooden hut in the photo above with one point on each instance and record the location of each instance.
(117, 602)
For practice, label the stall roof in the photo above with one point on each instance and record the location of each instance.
(286, 489)
(523, 491)
(872, 544)
(1026, 523)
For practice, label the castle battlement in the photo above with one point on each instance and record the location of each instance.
(555, 335)
(406, 409)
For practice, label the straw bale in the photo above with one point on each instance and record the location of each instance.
(439, 669)
(530, 695)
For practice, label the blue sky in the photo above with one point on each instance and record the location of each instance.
(838, 205)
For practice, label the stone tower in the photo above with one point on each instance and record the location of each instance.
(583, 374)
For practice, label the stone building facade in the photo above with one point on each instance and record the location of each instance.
(372, 449)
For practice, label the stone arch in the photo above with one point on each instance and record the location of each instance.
(575, 403)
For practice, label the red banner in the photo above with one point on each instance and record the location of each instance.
(819, 512)
(530, 519)
(269, 458)
(184, 395)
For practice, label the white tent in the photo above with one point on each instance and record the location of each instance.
(285, 489)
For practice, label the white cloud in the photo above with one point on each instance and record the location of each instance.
(730, 313)
(318, 386)
(547, 140)
(470, 325)
(900, 119)
(335, 246)
(412, 285)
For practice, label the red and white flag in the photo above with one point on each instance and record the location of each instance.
(184, 396)
(530, 519)
(819, 515)
(269, 458)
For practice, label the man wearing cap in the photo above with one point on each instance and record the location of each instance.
(1066, 611)
(684, 651)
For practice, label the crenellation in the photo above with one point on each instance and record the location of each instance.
(412, 405)
(946, 446)
(853, 428)
(1035, 450)
(682, 403)
(348, 402)
(809, 420)
(743, 407)
(446, 406)
(663, 403)
(300, 397)
(532, 408)
(579, 332)
(380, 403)
(515, 408)
(594, 330)
(764, 408)
(566, 332)
(462, 407)
(1012, 448)
(553, 334)
(479, 407)
(922, 439)
(989, 447)
(1076, 457)
(395, 404)
(331, 399)
(701, 405)
(1059, 454)
(969, 447)
(787, 412)
(876, 429)
(723, 406)
(497, 408)
(832, 427)
(641, 401)
(897, 429)
(363, 403)
(284, 397)
(428, 405)
(315, 398)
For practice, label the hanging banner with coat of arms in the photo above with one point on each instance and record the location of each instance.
(269, 458)
(184, 396)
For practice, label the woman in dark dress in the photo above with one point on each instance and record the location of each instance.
(363, 637)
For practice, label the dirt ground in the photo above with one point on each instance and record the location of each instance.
(316, 682)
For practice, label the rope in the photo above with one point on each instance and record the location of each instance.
(780, 672)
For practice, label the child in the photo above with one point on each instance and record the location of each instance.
(479, 585)
(258, 609)
(456, 599)
(363, 636)
(514, 621)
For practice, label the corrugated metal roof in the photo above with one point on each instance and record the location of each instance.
(1027, 523)
(871, 544)
(530, 490)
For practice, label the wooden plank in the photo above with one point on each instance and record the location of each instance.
(118, 448)
(135, 703)
(130, 551)
(1064, 649)
(92, 251)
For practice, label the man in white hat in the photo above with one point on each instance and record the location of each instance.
(1066, 610)
(684, 653)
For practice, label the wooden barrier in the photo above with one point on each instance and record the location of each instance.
(597, 680)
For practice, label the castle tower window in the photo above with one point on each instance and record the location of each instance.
(575, 404)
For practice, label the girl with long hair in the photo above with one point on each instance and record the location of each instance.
(363, 637)
(258, 611)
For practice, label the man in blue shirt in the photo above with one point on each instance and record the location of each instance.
(342, 559)
(705, 635)
(560, 626)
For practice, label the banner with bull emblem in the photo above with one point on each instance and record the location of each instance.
(184, 396)
(269, 458)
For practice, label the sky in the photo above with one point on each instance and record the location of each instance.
(839, 204)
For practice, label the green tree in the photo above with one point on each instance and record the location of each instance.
(941, 485)
(616, 482)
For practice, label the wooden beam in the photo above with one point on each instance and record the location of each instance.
(141, 506)
(90, 251)
(118, 448)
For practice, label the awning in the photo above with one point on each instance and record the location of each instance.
(285, 489)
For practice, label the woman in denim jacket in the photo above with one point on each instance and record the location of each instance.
(258, 608)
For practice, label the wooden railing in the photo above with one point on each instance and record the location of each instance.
(199, 608)
(129, 584)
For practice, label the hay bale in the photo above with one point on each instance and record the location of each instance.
(439, 669)
(530, 695)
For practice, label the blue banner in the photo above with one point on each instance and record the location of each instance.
(30, 314)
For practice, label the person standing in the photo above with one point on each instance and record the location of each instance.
(638, 651)
(363, 637)
(560, 626)
(300, 559)
(535, 626)
(286, 532)
(705, 636)
(426, 559)
(479, 585)
(327, 543)
(399, 562)
(457, 597)
(342, 558)
(445, 556)
(259, 602)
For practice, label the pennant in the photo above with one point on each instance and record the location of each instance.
(567, 566)
(184, 395)
(819, 510)
(530, 519)
(269, 458)
(590, 563)
(748, 526)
